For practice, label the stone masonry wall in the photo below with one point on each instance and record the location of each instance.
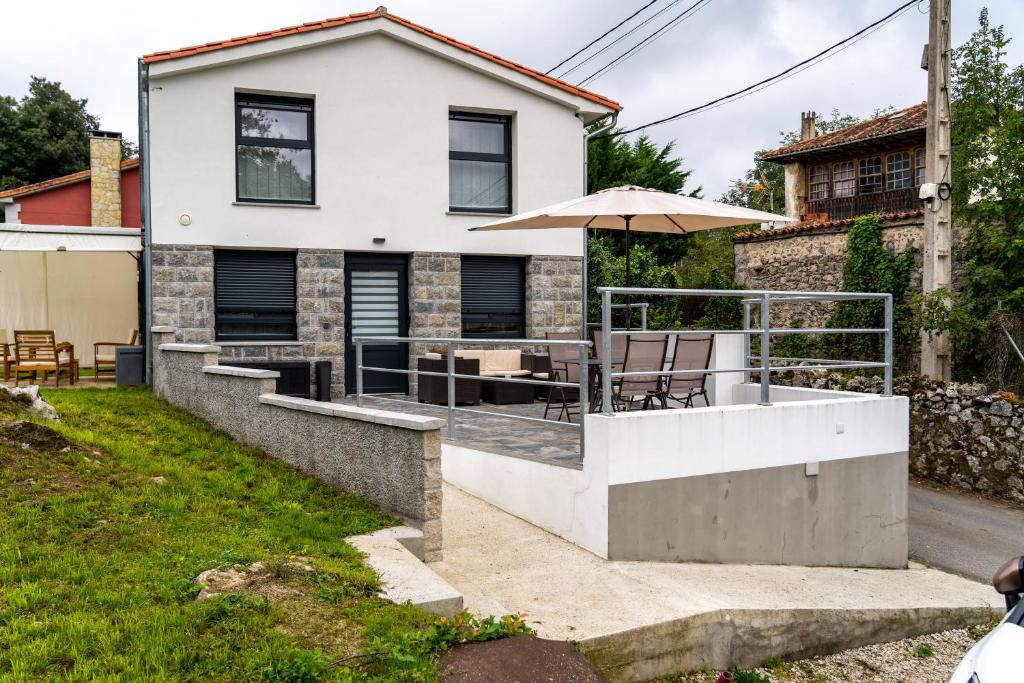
(960, 434)
(554, 286)
(813, 261)
(183, 298)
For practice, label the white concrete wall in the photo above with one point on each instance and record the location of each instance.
(661, 445)
(567, 502)
(381, 151)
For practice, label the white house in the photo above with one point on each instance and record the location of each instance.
(315, 181)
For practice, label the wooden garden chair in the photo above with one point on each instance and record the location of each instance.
(104, 362)
(6, 356)
(37, 351)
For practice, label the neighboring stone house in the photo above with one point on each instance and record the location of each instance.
(318, 181)
(876, 166)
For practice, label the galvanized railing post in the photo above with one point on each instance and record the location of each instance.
(584, 393)
(607, 406)
(765, 351)
(643, 317)
(359, 372)
(451, 391)
(888, 345)
(746, 342)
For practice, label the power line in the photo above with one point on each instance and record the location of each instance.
(771, 80)
(665, 28)
(600, 37)
(620, 38)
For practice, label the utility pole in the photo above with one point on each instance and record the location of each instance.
(936, 353)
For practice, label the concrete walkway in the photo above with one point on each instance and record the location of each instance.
(963, 533)
(638, 620)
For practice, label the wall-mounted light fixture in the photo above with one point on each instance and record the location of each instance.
(379, 240)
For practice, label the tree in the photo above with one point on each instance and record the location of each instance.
(43, 136)
(696, 260)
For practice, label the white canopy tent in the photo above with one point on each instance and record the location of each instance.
(80, 282)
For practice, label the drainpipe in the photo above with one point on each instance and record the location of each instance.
(147, 220)
(614, 116)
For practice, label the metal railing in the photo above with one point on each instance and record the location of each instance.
(450, 348)
(750, 298)
(642, 307)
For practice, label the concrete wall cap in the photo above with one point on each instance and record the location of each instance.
(255, 373)
(383, 417)
(163, 328)
(191, 348)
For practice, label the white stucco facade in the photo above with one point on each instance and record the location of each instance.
(382, 94)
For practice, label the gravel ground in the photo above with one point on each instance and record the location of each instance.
(927, 659)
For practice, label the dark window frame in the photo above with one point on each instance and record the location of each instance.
(489, 316)
(505, 158)
(904, 177)
(880, 173)
(224, 314)
(245, 100)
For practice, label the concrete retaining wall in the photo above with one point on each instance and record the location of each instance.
(816, 478)
(392, 459)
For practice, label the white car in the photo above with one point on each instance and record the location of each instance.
(996, 657)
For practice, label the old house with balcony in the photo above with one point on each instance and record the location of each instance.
(872, 167)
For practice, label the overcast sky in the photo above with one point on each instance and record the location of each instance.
(92, 49)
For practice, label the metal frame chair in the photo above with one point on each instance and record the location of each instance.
(565, 367)
(644, 352)
(692, 352)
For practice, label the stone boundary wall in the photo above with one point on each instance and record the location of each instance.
(391, 459)
(960, 434)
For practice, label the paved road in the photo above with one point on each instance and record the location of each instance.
(963, 534)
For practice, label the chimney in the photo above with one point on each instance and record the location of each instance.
(808, 127)
(105, 168)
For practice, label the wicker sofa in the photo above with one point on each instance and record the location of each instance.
(503, 363)
(432, 389)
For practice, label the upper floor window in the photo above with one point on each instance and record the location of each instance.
(870, 175)
(919, 166)
(844, 179)
(274, 149)
(819, 181)
(897, 171)
(479, 163)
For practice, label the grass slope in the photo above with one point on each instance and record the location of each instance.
(97, 560)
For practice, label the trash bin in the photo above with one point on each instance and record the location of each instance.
(130, 363)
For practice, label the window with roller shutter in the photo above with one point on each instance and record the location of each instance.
(493, 297)
(254, 295)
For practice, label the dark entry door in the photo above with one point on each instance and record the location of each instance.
(377, 304)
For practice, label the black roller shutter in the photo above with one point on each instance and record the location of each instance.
(493, 297)
(254, 295)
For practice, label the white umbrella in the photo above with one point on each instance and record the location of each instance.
(635, 208)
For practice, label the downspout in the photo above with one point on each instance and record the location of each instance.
(586, 170)
(146, 335)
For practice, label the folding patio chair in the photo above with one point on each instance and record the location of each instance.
(565, 367)
(619, 342)
(644, 352)
(692, 352)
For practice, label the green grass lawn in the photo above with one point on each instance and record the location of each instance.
(98, 561)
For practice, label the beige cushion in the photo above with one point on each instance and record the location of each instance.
(503, 360)
(103, 358)
(478, 354)
(541, 375)
(433, 356)
(504, 373)
(36, 364)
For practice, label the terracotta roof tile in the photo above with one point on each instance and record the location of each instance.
(364, 16)
(61, 181)
(911, 118)
(814, 226)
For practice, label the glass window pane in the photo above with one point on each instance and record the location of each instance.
(274, 124)
(484, 137)
(478, 185)
(275, 173)
(919, 166)
(844, 179)
(870, 175)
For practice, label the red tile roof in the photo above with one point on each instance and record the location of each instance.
(365, 16)
(61, 181)
(893, 123)
(815, 226)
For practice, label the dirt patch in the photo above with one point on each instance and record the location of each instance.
(523, 659)
(267, 580)
(25, 435)
(36, 459)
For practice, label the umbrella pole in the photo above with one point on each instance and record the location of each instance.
(629, 283)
